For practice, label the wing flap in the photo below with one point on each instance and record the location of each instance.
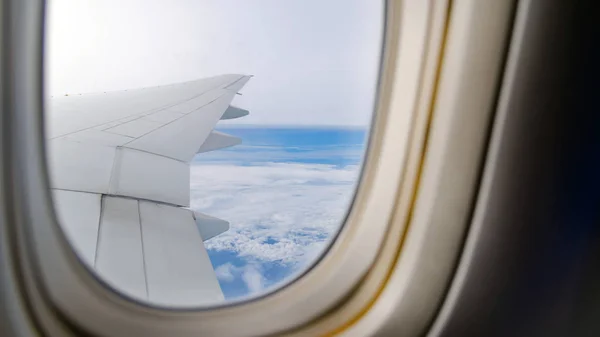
(178, 267)
(233, 112)
(120, 259)
(144, 249)
(218, 140)
(79, 215)
(209, 226)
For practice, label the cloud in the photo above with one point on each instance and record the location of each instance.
(224, 272)
(251, 275)
(278, 212)
(253, 279)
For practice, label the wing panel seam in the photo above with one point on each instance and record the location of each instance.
(143, 251)
(113, 180)
(153, 153)
(175, 120)
(100, 218)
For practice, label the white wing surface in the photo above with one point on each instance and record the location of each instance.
(119, 167)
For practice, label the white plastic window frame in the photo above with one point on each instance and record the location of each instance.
(64, 294)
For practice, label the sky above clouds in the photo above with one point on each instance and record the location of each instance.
(315, 62)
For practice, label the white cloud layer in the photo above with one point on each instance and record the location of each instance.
(224, 272)
(250, 274)
(253, 279)
(282, 213)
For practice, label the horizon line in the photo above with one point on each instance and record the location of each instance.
(295, 125)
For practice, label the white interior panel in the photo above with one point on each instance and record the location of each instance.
(148, 176)
(98, 137)
(182, 138)
(218, 140)
(79, 215)
(178, 268)
(209, 226)
(119, 257)
(80, 166)
(135, 128)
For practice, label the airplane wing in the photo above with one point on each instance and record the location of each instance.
(119, 166)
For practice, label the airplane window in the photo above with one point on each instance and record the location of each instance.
(206, 151)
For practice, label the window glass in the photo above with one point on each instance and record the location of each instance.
(206, 151)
